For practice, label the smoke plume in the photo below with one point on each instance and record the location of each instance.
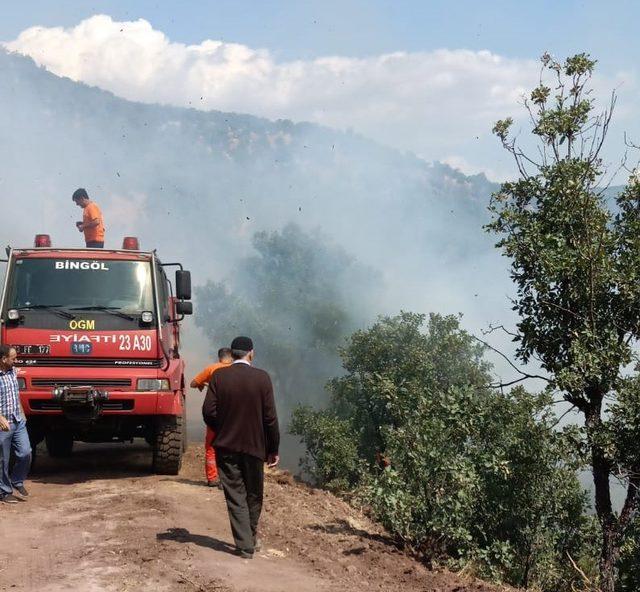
(200, 186)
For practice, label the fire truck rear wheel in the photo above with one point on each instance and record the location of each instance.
(167, 448)
(59, 444)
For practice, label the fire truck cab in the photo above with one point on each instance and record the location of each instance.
(97, 333)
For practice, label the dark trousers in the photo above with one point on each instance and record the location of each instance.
(242, 478)
(95, 244)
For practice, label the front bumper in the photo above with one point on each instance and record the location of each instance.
(37, 402)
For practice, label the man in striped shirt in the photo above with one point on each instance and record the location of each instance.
(13, 431)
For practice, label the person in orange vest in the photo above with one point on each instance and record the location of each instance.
(200, 382)
(92, 223)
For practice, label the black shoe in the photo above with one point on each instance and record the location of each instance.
(9, 498)
(244, 554)
(22, 490)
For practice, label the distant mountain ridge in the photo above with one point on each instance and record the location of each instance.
(198, 184)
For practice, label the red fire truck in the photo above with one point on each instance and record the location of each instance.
(98, 338)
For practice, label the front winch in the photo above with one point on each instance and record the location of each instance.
(80, 403)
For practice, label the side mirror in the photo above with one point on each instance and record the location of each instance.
(184, 308)
(183, 285)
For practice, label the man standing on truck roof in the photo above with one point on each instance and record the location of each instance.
(92, 223)
(13, 431)
(199, 382)
(240, 408)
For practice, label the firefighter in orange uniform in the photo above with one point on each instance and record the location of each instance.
(92, 223)
(200, 382)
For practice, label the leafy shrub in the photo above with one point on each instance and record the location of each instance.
(460, 472)
(332, 456)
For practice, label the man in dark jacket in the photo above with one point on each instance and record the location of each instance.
(239, 406)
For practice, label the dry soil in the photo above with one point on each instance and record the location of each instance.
(100, 521)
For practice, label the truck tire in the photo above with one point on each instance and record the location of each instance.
(167, 448)
(59, 444)
(185, 438)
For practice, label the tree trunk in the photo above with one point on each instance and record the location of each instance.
(610, 550)
(608, 558)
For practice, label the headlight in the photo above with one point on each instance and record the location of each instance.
(22, 383)
(153, 384)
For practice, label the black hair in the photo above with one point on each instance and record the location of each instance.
(238, 354)
(80, 193)
(224, 352)
(5, 350)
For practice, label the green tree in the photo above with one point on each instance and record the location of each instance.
(298, 297)
(575, 260)
(457, 470)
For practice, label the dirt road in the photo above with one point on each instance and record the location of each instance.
(100, 522)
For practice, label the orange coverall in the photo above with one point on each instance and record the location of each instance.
(210, 466)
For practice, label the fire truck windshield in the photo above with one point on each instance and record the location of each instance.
(102, 284)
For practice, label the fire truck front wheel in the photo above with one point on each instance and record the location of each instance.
(184, 427)
(59, 444)
(167, 446)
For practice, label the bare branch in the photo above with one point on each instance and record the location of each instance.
(532, 162)
(621, 166)
(524, 374)
(629, 143)
(570, 410)
(607, 115)
(494, 328)
(575, 566)
(502, 385)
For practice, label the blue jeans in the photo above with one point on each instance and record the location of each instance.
(16, 440)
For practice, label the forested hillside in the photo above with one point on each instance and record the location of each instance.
(200, 183)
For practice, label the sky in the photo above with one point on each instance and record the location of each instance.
(429, 77)
(302, 29)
